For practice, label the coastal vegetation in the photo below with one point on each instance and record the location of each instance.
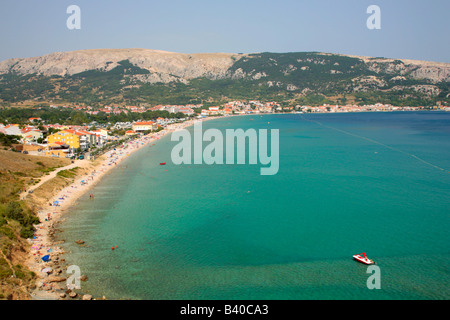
(8, 140)
(69, 173)
(76, 117)
(17, 217)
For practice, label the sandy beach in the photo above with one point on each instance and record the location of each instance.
(51, 274)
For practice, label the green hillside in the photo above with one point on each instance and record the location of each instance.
(304, 77)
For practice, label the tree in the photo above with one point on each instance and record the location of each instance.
(53, 130)
(14, 211)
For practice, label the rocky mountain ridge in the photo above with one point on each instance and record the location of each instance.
(169, 66)
(143, 75)
(190, 66)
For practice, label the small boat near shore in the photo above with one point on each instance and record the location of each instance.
(162, 164)
(362, 257)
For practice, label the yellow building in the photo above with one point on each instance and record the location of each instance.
(69, 137)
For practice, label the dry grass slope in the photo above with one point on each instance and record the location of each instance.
(17, 173)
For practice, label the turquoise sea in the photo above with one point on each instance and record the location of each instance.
(348, 183)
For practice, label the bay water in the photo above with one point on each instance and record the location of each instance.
(348, 183)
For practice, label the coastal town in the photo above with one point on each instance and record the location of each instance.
(41, 138)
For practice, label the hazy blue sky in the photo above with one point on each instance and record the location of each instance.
(410, 28)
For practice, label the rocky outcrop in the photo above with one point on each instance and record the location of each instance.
(417, 69)
(163, 66)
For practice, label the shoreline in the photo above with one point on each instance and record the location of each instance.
(51, 285)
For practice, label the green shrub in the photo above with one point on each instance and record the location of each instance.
(48, 170)
(27, 232)
(66, 173)
(26, 219)
(19, 272)
(14, 211)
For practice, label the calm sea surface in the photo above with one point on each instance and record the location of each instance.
(348, 183)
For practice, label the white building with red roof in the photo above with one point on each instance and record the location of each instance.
(144, 126)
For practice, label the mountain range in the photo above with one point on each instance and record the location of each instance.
(137, 76)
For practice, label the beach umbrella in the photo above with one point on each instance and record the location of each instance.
(56, 202)
(45, 258)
